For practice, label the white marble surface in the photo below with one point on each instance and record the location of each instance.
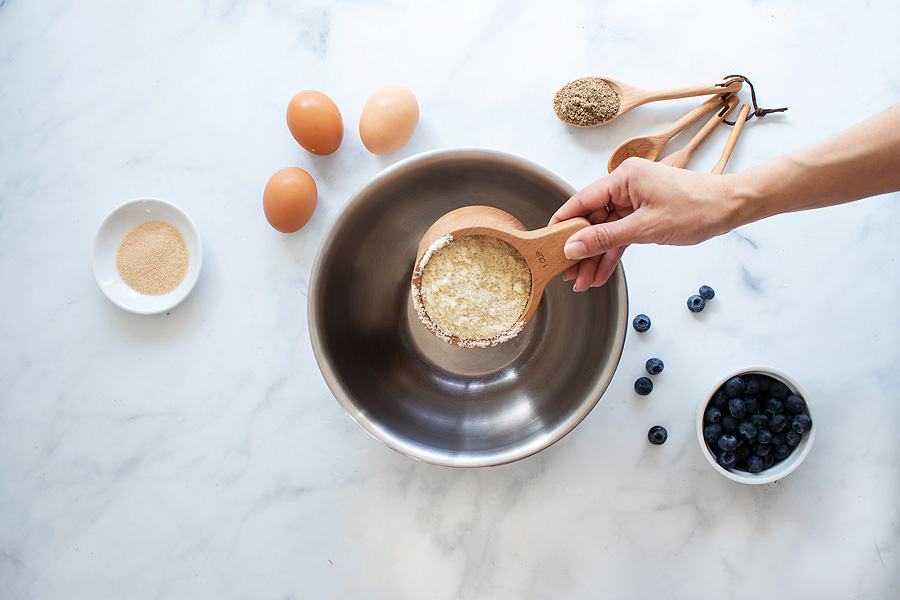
(199, 454)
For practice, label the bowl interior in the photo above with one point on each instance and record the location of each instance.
(782, 468)
(106, 245)
(419, 395)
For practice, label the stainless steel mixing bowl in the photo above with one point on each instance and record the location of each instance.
(423, 397)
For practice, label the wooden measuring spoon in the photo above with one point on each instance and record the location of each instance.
(630, 97)
(541, 248)
(732, 140)
(649, 146)
(680, 159)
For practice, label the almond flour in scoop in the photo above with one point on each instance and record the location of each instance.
(473, 288)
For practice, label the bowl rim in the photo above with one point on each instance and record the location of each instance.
(116, 290)
(799, 454)
(457, 460)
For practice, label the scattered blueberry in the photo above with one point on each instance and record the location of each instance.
(707, 293)
(753, 422)
(735, 387)
(728, 442)
(657, 435)
(643, 386)
(641, 323)
(696, 303)
(712, 415)
(736, 408)
(726, 459)
(801, 423)
(795, 404)
(655, 366)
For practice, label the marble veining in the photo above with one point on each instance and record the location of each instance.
(200, 454)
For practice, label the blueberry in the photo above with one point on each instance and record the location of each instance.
(764, 436)
(759, 421)
(753, 387)
(707, 293)
(712, 415)
(754, 464)
(728, 442)
(729, 423)
(765, 382)
(727, 460)
(774, 406)
(779, 390)
(736, 408)
(742, 453)
(801, 423)
(768, 461)
(696, 303)
(747, 429)
(720, 399)
(792, 438)
(643, 386)
(735, 387)
(657, 435)
(782, 451)
(641, 323)
(761, 449)
(750, 405)
(712, 432)
(654, 366)
(778, 423)
(778, 439)
(795, 404)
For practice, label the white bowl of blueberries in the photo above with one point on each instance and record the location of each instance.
(756, 426)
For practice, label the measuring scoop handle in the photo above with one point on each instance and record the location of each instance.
(543, 249)
(723, 86)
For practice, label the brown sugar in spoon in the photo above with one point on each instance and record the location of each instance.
(542, 250)
(592, 101)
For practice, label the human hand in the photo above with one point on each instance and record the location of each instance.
(642, 202)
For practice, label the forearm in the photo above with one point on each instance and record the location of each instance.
(857, 163)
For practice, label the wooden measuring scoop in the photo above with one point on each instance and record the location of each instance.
(542, 250)
(680, 158)
(630, 97)
(650, 146)
(732, 140)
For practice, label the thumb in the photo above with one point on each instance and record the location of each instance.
(603, 237)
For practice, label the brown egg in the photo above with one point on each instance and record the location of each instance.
(388, 120)
(289, 199)
(315, 122)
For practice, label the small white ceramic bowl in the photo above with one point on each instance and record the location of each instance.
(780, 469)
(119, 222)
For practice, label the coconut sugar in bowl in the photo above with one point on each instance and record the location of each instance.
(147, 256)
(433, 401)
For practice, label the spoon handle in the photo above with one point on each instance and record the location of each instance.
(543, 249)
(732, 140)
(688, 119)
(680, 158)
(720, 87)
